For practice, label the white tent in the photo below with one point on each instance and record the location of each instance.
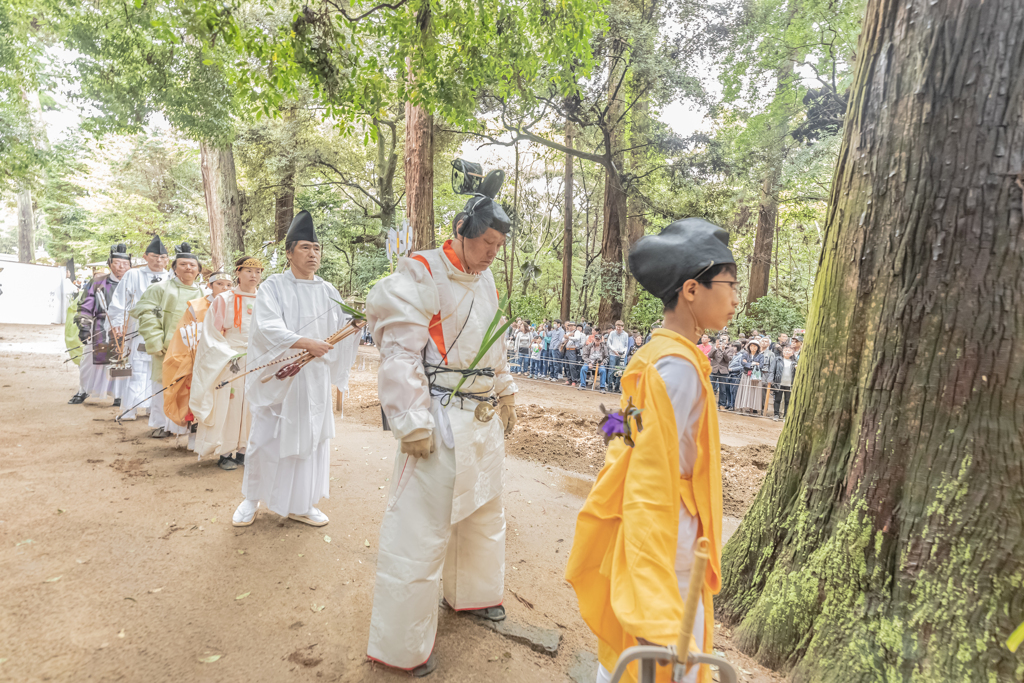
(31, 294)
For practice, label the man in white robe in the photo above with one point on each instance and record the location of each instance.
(288, 461)
(127, 295)
(444, 518)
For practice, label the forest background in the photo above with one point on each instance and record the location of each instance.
(214, 123)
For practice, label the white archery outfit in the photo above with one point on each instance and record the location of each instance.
(222, 414)
(287, 464)
(444, 518)
(126, 296)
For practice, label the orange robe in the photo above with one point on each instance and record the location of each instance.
(622, 562)
(178, 364)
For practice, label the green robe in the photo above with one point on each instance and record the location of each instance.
(158, 313)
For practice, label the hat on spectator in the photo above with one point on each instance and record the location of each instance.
(683, 251)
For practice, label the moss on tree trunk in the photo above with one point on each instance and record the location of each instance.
(887, 543)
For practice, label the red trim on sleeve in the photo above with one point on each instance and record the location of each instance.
(436, 332)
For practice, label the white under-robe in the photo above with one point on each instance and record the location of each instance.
(222, 414)
(444, 521)
(126, 295)
(287, 462)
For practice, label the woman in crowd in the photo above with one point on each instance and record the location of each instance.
(523, 340)
(748, 393)
(222, 414)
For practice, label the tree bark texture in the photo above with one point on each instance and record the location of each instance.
(387, 164)
(767, 215)
(636, 221)
(284, 207)
(567, 228)
(26, 227)
(610, 308)
(887, 543)
(419, 176)
(419, 159)
(222, 204)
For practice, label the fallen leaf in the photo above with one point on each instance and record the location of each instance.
(213, 520)
(61, 511)
(241, 552)
(81, 561)
(157, 590)
(27, 541)
(211, 659)
(4, 659)
(366, 543)
(56, 578)
(380, 487)
(120, 634)
(301, 555)
(493, 659)
(327, 539)
(130, 598)
(317, 608)
(243, 595)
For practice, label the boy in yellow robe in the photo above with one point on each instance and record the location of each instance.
(638, 530)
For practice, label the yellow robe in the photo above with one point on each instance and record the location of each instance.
(178, 364)
(622, 562)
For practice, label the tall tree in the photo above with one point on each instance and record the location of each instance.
(143, 58)
(887, 542)
(567, 226)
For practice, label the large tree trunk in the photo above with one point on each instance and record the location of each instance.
(887, 543)
(610, 308)
(284, 206)
(419, 160)
(26, 227)
(761, 258)
(636, 221)
(222, 204)
(567, 228)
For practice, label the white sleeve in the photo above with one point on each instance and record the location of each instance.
(398, 311)
(685, 392)
(117, 311)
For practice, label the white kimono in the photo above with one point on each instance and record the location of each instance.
(126, 295)
(287, 464)
(222, 414)
(444, 518)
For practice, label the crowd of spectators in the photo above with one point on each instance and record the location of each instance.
(752, 375)
(577, 354)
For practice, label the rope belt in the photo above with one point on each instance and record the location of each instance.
(480, 396)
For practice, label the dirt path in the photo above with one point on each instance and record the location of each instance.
(118, 561)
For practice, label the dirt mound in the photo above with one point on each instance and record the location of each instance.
(743, 471)
(565, 439)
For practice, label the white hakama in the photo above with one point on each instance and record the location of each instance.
(287, 462)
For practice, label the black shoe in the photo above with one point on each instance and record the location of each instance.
(426, 668)
(489, 613)
(159, 433)
(117, 403)
(240, 458)
(78, 398)
(226, 463)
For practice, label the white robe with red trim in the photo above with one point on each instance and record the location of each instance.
(444, 517)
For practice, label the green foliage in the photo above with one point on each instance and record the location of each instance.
(350, 59)
(142, 58)
(648, 310)
(770, 314)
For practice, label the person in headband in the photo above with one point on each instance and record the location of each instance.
(634, 547)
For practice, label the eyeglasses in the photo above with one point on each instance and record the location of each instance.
(731, 283)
